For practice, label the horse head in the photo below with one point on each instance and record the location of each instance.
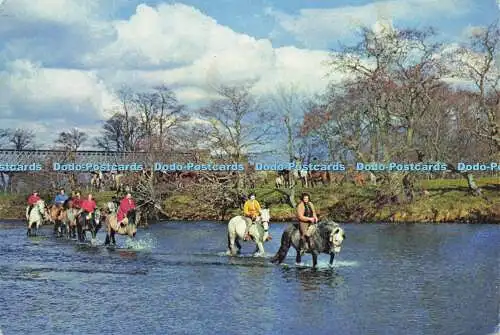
(97, 216)
(43, 210)
(264, 219)
(111, 207)
(336, 238)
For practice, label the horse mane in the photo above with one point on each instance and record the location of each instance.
(328, 224)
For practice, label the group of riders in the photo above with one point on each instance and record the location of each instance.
(305, 214)
(86, 207)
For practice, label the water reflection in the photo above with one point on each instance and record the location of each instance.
(312, 279)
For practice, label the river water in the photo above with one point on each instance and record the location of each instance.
(175, 279)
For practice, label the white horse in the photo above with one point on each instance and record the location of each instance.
(279, 182)
(37, 216)
(257, 231)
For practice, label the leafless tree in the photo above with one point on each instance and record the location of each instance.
(71, 140)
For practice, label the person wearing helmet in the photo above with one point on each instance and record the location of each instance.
(251, 210)
(32, 200)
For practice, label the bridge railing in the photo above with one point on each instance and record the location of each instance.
(49, 157)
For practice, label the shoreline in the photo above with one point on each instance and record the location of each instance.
(441, 201)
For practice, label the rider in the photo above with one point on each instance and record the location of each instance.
(76, 200)
(127, 204)
(251, 210)
(306, 214)
(61, 198)
(88, 206)
(32, 200)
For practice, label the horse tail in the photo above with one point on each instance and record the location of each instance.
(286, 242)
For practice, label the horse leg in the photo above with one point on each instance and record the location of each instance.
(80, 232)
(260, 249)
(298, 258)
(315, 259)
(108, 239)
(113, 237)
(230, 244)
(332, 256)
(238, 245)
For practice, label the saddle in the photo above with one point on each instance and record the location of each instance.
(311, 229)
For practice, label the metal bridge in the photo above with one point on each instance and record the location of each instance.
(44, 157)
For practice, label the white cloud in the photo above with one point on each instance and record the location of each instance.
(63, 60)
(65, 73)
(31, 91)
(318, 28)
(60, 11)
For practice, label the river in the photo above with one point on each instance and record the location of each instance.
(175, 279)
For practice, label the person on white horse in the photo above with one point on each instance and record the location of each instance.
(306, 214)
(251, 210)
(32, 200)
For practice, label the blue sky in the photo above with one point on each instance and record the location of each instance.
(61, 61)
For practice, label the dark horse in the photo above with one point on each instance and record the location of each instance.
(326, 237)
(92, 224)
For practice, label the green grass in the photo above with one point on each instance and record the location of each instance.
(448, 200)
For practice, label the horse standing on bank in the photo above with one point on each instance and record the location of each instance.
(36, 217)
(258, 231)
(326, 237)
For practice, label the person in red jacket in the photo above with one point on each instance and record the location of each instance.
(32, 200)
(76, 201)
(88, 206)
(126, 205)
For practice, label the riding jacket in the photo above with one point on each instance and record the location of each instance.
(125, 206)
(251, 208)
(33, 199)
(60, 199)
(88, 206)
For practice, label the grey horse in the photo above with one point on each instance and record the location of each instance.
(326, 237)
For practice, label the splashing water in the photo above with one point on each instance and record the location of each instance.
(95, 242)
(146, 243)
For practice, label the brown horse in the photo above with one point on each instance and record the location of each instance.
(57, 215)
(359, 179)
(316, 177)
(127, 227)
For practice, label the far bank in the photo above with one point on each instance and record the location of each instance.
(446, 200)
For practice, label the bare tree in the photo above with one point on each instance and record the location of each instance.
(476, 61)
(71, 140)
(289, 102)
(19, 139)
(169, 116)
(237, 123)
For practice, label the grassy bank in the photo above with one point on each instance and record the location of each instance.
(446, 201)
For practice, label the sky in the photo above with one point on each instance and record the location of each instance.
(61, 61)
